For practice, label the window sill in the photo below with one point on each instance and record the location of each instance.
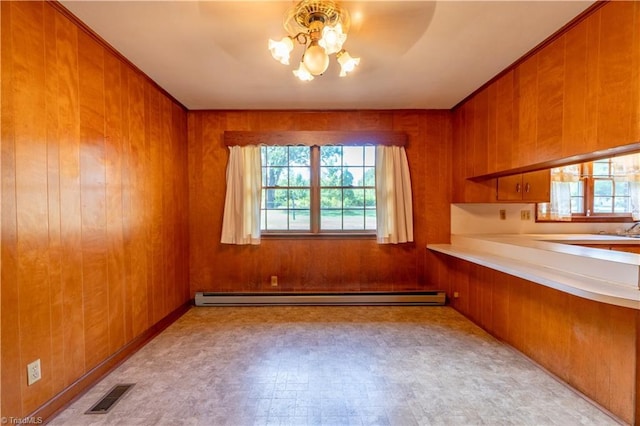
(591, 219)
(318, 236)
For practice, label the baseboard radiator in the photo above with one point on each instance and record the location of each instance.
(428, 298)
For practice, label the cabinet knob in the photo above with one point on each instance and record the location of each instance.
(527, 187)
(517, 187)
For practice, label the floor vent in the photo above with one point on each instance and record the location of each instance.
(432, 298)
(109, 400)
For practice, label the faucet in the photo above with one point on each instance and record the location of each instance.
(632, 230)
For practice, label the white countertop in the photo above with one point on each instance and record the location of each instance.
(549, 259)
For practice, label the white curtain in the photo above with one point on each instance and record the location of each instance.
(241, 221)
(560, 206)
(394, 209)
(628, 167)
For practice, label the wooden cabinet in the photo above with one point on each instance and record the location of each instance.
(577, 95)
(527, 187)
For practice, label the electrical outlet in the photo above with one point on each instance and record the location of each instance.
(274, 281)
(503, 214)
(456, 294)
(33, 372)
(525, 215)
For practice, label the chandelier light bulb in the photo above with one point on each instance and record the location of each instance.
(332, 39)
(347, 63)
(303, 73)
(316, 59)
(280, 49)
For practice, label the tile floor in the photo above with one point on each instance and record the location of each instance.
(358, 365)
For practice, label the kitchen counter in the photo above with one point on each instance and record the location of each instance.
(557, 261)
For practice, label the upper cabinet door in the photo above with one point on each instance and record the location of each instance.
(618, 74)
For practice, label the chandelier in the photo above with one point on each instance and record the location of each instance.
(321, 26)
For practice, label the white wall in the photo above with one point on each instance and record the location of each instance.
(485, 219)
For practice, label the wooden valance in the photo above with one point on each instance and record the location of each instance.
(310, 138)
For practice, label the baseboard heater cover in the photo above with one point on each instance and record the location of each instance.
(429, 298)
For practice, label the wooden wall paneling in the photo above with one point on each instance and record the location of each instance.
(480, 118)
(31, 200)
(167, 208)
(128, 195)
(11, 376)
(492, 127)
(73, 343)
(93, 195)
(592, 91)
(153, 133)
(114, 201)
(550, 117)
(56, 369)
(216, 267)
(138, 260)
(619, 326)
(574, 135)
(504, 119)
(616, 123)
(526, 101)
(555, 323)
(635, 76)
(500, 307)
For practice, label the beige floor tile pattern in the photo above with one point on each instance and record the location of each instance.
(332, 365)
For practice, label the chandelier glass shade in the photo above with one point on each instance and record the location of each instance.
(321, 26)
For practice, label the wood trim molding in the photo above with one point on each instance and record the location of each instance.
(78, 388)
(310, 138)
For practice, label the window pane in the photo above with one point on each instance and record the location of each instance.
(331, 176)
(622, 205)
(331, 198)
(603, 188)
(622, 189)
(353, 219)
(353, 197)
(331, 156)
(577, 205)
(369, 155)
(299, 176)
(370, 197)
(299, 156)
(300, 198)
(601, 168)
(276, 176)
(299, 219)
(276, 156)
(370, 176)
(353, 155)
(275, 220)
(330, 219)
(352, 176)
(370, 219)
(602, 204)
(576, 188)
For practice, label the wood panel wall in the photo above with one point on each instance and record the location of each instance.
(306, 264)
(94, 197)
(589, 345)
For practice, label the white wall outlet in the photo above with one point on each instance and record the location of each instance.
(456, 294)
(274, 281)
(525, 214)
(503, 214)
(33, 372)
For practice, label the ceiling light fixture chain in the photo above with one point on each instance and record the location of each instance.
(321, 26)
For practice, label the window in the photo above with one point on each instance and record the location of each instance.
(318, 189)
(597, 191)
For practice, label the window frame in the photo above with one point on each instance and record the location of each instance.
(315, 208)
(588, 193)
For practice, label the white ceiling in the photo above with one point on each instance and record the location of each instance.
(414, 54)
